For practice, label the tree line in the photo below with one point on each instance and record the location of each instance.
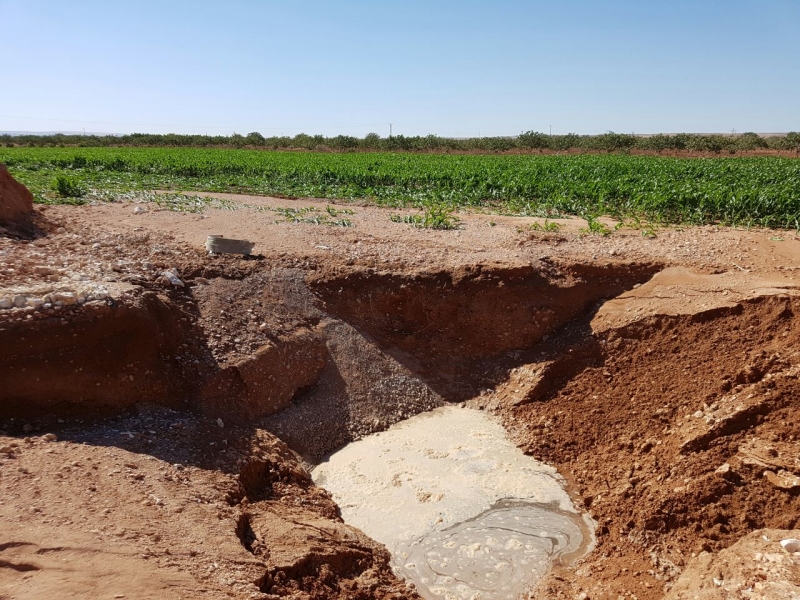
(529, 141)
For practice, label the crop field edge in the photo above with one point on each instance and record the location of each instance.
(756, 191)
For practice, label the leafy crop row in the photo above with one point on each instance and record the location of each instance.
(755, 191)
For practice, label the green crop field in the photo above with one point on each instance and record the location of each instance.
(762, 191)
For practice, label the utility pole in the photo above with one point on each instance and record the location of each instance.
(390, 131)
(551, 130)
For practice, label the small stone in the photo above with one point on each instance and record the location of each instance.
(220, 423)
(139, 210)
(723, 469)
(172, 277)
(64, 298)
(27, 428)
(791, 545)
(6, 450)
(20, 301)
(698, 414)
(783, 480)
(50, 437)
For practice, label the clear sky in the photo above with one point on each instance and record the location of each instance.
(455, 68)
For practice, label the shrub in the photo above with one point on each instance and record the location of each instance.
(67, 187)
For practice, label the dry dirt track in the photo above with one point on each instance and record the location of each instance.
(659, 375)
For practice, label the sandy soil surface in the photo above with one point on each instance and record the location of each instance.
(376, 241)
(161, 407)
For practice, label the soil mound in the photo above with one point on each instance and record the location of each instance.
(16, 202)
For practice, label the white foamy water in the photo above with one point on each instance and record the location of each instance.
(464, 513)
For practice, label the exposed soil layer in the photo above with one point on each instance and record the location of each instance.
(16, 204)
(107, 355)
(668, 449)
(148, 426)
(444, 323)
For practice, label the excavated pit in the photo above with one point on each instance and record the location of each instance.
(267, 370)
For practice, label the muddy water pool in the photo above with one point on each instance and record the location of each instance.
(464, 513)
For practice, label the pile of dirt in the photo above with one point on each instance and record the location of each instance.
(160, 504)
(674, 454)
(756, 567)
(16, 203)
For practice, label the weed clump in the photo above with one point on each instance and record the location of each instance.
(547, 226)
(312, 216)
(595, 227)
(432, 217)
(68, 187)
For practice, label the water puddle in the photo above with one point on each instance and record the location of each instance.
(464, 513)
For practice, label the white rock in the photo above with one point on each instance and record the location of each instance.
(139, 210)
(173, 278)
(64, 297)
(35, 302)
(220, 423)
(723, 469)
(791, 545)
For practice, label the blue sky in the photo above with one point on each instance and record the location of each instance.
(458, 68)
